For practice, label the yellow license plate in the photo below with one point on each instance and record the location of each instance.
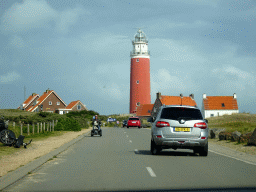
(182, 129)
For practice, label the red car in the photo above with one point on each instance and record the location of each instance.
(134, 122)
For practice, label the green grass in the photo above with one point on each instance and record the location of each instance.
(241, 122)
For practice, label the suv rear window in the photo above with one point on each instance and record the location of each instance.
(134, 119)
(181, 113)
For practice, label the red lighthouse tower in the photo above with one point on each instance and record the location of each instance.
(140, 72)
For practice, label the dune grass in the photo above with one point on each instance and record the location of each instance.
(241, 122)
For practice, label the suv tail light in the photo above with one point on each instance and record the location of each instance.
(162, 124)
(201, 125)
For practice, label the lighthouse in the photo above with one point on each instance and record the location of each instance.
(140, 72)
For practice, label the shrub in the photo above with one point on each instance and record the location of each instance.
(68, 124)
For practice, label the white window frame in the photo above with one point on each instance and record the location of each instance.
(137, 60)
(137, 81)
(50, 103)
(138, 104)
(79, 107)
(58, 103)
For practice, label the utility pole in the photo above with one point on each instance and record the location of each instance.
(24, 93)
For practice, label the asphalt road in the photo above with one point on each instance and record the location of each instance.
(121, 160)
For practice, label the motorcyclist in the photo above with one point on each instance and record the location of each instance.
(96, 122)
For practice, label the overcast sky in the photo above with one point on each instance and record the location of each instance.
(81, 50)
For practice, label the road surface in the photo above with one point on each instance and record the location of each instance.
(121, 160)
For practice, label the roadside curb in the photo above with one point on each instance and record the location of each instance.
(21, 172)
(232, 153)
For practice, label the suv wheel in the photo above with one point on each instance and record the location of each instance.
(154, 149)
(204, 150)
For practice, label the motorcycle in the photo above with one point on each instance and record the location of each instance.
(95, 129)
(8, 138)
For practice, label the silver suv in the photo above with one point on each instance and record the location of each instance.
(179, 127)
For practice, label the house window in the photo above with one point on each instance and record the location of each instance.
(212, 115)
(222, 104)
(137, 82)
(58, 103)
(78, 107)
(50, 103)
(41, 107)
(137, 60)
(138, 104)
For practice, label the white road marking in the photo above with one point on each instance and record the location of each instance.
(232, 157)
(130, 141)
(124, 132)
(126, 135)
(151, 172)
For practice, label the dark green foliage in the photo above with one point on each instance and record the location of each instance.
(68, 124)
(44, 114)
(82, 113)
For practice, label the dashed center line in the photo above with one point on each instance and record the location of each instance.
(151, 172)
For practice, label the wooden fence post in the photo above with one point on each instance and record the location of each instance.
(33, 129)
(52, 125)
(41, 127)
(28, 129)
(37, 127)
(21, 131)
(44, 126)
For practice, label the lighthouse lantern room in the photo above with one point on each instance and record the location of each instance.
(140, 72)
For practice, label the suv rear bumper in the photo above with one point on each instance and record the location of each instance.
(180, 142)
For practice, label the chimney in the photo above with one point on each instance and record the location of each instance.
(181, 95)
(234, 96)
(191, 95)
(158, 95)
(33, 94)
(47, 90)
(204, 96)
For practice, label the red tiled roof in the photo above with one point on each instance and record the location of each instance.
(144, 110)
(30, 99)
(176, 100)
(74, 103)
(220, 103)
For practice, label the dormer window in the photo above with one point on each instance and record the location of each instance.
(50, 103)
(222, 104)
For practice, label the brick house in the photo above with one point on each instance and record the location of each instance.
(73, 106)
(28, 103)
(219, 105)
(49, 102)
(171, 100)
(144, 111)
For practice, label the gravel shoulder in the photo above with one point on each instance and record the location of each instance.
(35, 150)
(251, 150)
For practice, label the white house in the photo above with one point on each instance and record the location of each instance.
(219, 105)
